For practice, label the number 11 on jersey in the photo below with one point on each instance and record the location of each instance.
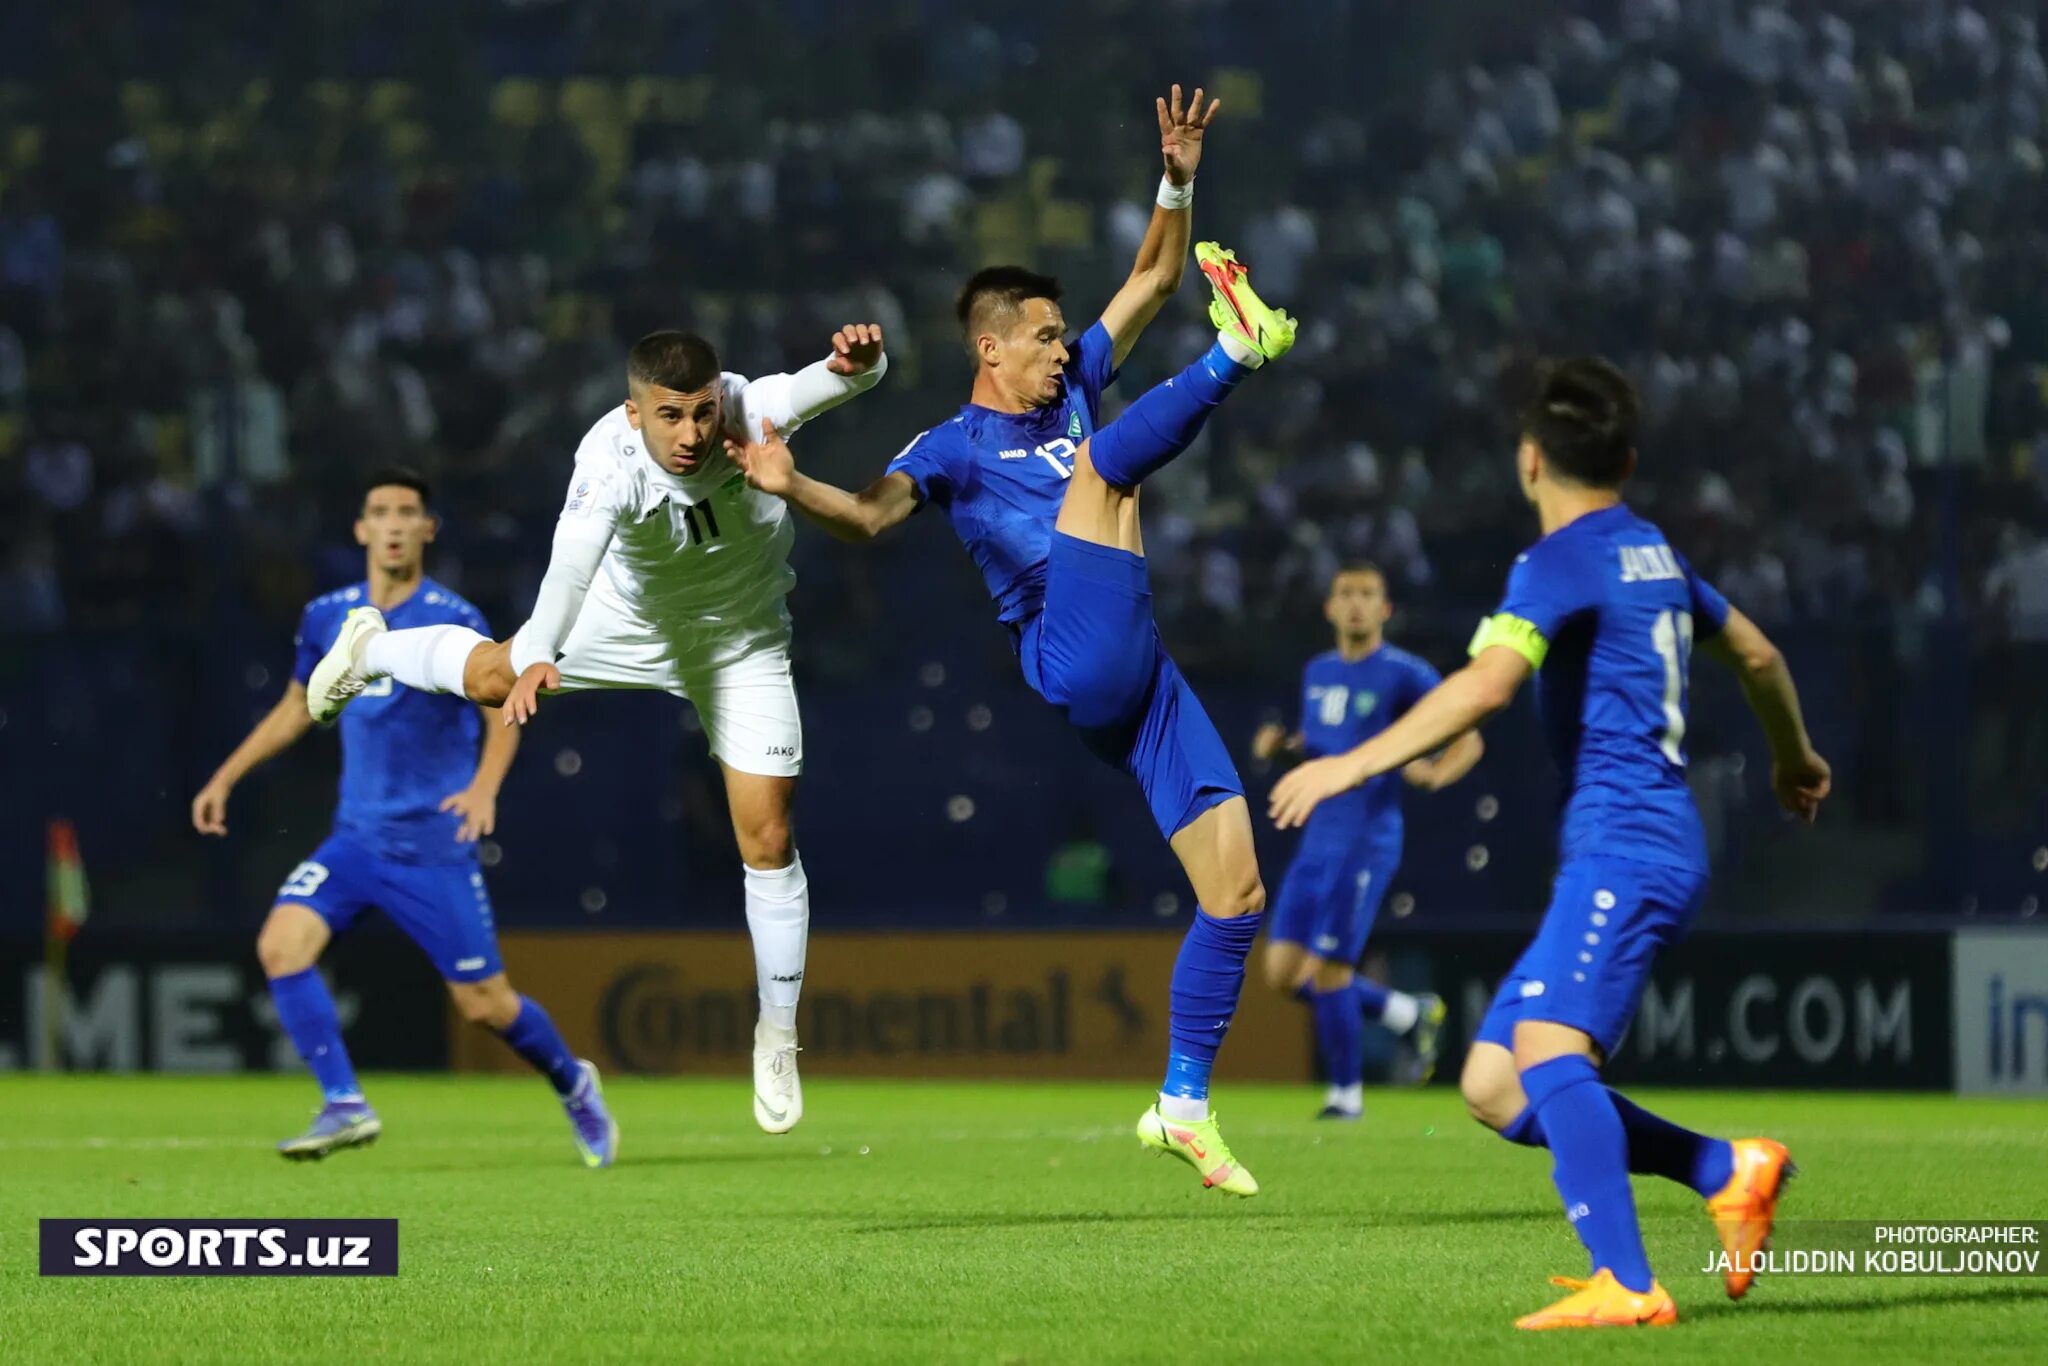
(1672, 635)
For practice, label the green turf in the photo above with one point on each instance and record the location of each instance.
(943, 1222)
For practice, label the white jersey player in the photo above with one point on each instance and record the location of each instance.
(669, 572)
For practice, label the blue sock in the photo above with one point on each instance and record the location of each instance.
(1371, 998)
(1207, 977)
(306, 1011)
(1164, 420)
(1525, 1129)
(1340, 1030)
(1591, 1148)
(1657, 1147)
(533, 1036)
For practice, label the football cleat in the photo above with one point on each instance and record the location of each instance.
(336, 680)
(1199, 1143)
(1239, 311)
(1603, 1302)
(778, 1092)
(1745, 1208)
(340, 1124)
(1425, 1037)
(590, 1120)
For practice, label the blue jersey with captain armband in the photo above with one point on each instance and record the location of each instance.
(999, 477)
(1607, 613)
(402, 751)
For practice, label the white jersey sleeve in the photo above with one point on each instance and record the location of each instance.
(601, 491)
(789, 401)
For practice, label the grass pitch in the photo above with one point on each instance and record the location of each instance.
(971, 1223)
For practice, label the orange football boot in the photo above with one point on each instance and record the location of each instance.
(1603, 1302)
(1745, 1208)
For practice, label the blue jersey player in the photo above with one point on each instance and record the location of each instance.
(1605, 614)
(415, 797)
(1351, 847)
(1046, 502)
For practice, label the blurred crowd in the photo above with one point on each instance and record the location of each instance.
(233, 275)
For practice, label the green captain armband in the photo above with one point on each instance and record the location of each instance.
(1518, 635)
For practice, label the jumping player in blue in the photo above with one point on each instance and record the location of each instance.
(1046, 502)
(1351, 847)
(415, 798)
(1605, 614)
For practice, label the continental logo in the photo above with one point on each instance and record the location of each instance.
(655, 1018)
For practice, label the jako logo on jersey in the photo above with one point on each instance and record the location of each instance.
(782, 751)
(1016, 455)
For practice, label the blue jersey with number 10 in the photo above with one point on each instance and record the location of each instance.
(402, 751)
(1607, 614)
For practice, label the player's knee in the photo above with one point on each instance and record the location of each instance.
(284, 948)
(1246, 897)
(1490, 1086)
(487, 1005)
(1331, 976)
(767, 843)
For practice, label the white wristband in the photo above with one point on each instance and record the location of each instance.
(1172, 196)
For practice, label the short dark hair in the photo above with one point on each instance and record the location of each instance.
(1583, 419)
(1359, 567)
(682, 361)
(398, 476)
(993, 295)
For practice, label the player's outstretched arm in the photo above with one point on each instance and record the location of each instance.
(477, 804)
(1799, 776)
(1163, 255)
(1454, 706)
(1432, 773)
(273, 735)
(856, 365)
(769, 467)
(583, 533)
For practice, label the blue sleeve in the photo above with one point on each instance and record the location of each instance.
(1542, 595)
(309, 644)
(1091, 367)
(930, 462)
(1709, 608)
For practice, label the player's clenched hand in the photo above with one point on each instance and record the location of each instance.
(856, 348)
(210, 810)
(479, 812)
(1802, 784)
(1307, 787)
(767, 462)
(1180, 133)
(1269, 741)
(523, 701)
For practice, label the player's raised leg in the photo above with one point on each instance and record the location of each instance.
(1165, 420)
(443, 659)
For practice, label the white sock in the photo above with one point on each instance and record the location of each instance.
(425, 658)
(1347, 1098)
(779, 919)
(1240, 350)
(1188, 1109)
(1401, 1013)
